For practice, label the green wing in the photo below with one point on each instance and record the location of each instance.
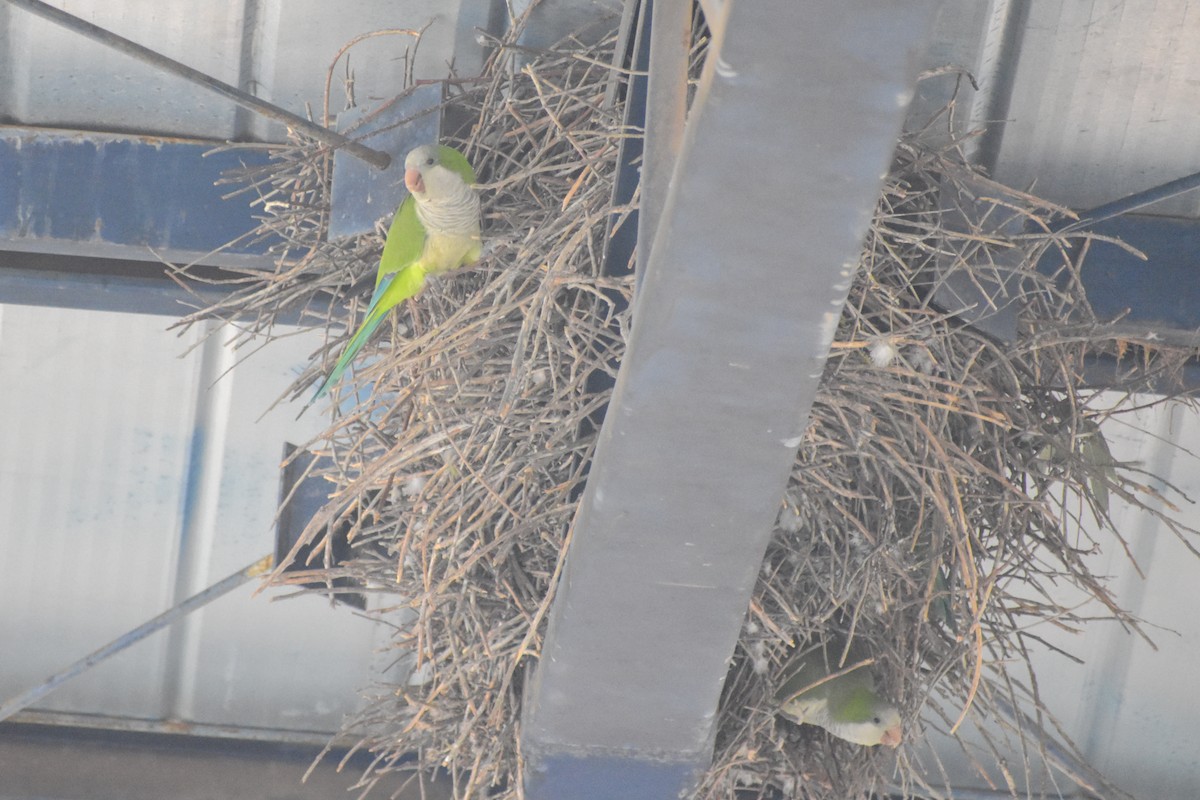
(404, 243)
(394, 288)
(399, 276)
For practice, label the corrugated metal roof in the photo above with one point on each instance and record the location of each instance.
(1127, 705)
(1084, 100)
(1105, 101)
(137, 472)
(279, 51)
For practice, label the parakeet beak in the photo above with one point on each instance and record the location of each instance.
(414, 181)
(891, 737)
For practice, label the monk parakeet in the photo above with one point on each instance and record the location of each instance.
(436, 229)
(847, 704)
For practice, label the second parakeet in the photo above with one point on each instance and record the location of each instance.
(847, 705)
(436, 229)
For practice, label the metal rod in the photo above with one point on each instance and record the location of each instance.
(225, 586)
(104, 722)
(130, 48)
(1135, 201)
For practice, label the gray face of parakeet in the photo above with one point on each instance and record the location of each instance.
(417, 163)
(446, 204)
(883, 727)
(846, 704)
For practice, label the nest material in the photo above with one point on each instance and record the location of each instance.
(944, 486)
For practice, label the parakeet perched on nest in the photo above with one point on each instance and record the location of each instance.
(436, 229)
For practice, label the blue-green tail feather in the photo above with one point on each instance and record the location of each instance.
(408, 282)
(352, 347)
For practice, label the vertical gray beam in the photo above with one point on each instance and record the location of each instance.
(792, 129)
(666, 113)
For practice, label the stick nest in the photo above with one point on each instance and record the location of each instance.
(948, 485)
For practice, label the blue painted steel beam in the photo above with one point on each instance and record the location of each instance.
(670, 34)
(621, 241)
(122, 196)
(1155, 299)
(99, 284)
(792, 129)
(135, 287)
(1161, 291)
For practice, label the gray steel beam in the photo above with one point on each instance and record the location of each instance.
(135, 287)
(58, 281)
(792, 129)
(666, 112)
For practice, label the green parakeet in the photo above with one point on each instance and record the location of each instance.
(847, 704)
(436, 229)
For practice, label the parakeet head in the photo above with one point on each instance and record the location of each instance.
(882, 726)
(426, 173)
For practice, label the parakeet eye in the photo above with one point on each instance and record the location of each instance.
(429, 162)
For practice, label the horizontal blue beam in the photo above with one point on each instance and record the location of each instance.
(1162, 290)
(609, 777)
(97, 284)
(122, 196)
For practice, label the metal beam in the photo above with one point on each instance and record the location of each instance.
(1153, 299)
(135, 287)
(122, 196)
(97, 284)
(670, 32)
(792, 129)
(633, 53)
(55, 763)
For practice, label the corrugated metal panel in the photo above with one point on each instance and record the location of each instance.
(58, 78)
(296, 41)
(1135, 707)
(133, 477)
(280, 51)
(1105, 101)
(90, 497)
